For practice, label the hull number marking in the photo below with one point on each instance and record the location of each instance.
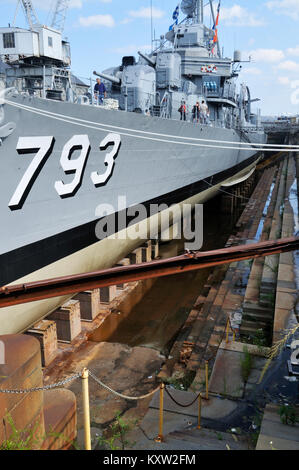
(43, 147)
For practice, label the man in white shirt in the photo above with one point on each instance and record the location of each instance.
(203, 112)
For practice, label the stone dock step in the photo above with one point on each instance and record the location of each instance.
(286, 291)
(269, 275)
(254, 281)
(251, 327)
(255, 308)
(263, 317)
(259, 300)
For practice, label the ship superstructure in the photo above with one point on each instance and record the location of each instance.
(187, 67)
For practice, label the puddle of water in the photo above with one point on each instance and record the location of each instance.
(293, 198)
(265, 210)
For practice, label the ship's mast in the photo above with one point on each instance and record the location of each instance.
(199, 11)
(214, 21)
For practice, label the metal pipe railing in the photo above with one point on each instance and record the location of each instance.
(191, 261)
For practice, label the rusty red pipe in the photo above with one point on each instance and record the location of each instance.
(68, 285)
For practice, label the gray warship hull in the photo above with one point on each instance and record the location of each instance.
(49, 210)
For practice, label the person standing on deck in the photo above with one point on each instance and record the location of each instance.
(183, 111)
(203, 113)
(196, 112)
(100, 91)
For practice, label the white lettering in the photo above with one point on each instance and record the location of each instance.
(109, 159)
(29, 145)
(73, 166)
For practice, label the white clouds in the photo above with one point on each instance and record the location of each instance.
(239, 16)
(285, 7)
(293, 51)
(294, 85)
(126, 21)
(284, 80)
(267, 55)
(289, 65)
(97, 20)
(145, 12)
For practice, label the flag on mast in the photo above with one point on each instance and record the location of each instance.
(175, 17)
(176, 14)
(215, 27)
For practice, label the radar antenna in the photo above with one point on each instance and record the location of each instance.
(193, 9)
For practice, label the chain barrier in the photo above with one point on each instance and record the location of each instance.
(44, 388)
(85, 391)
(70, 379)
(118, 394)
(180, 404)
(84, 376)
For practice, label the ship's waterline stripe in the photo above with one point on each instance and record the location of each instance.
(272, 146)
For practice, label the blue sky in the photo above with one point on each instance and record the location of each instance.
(102, 31)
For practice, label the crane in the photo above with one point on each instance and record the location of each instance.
(29, 12)
(59, 16)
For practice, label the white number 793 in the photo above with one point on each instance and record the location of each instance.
(45, 145)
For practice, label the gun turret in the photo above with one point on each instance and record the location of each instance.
(105, 76)
(148, 59)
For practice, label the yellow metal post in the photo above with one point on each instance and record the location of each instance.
(234, 336)
(86, 411)
(199, 412)
(160, 437)
(207, 380)
(227, 331)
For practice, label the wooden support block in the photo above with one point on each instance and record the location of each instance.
(136, 256)
(89, 304)
(147, 252)
(68, 321)
(85, 305)
(46, 333)
(155, 249)
(107, 294)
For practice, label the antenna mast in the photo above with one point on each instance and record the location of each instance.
(59, 16)
(199, 11)
(214, 21)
